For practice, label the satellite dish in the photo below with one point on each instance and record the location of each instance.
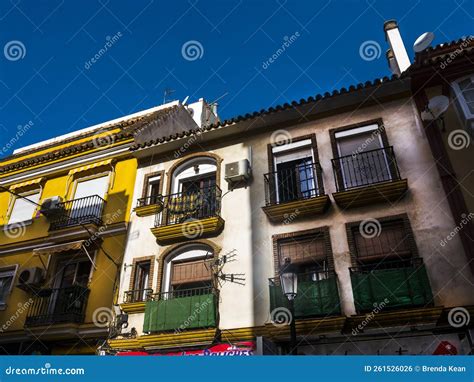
(423, 42)
(436, 108)
(185, 101)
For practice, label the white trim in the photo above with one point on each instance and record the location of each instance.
(13, 269)
(188, 252)
(291, 146)
(459, 96)
(94, 127)
(68, 166)
(356, 130)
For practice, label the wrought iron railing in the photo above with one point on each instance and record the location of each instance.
(365, 168)
(59, 305)
(79, 211)
(149, 200)
(393, 284)
(180, 293)
(298, 183)
(137, 295)
(317, 294)
(185, 206)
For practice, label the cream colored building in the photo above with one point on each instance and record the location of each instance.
(343, 184)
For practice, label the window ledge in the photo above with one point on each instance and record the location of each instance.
(149, 209)
(8, 227)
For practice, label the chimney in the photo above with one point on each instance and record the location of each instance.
(398, 60)
(391, 62)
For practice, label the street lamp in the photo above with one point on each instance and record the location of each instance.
(289, 285)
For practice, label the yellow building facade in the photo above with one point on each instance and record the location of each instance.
(64, 209)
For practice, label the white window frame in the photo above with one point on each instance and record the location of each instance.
(24, 195)
(207, 166)
(188, 252)
(459, 96)
(150, 181)
(356, 131)
(91, 177)
(4, 272)
(303, 145)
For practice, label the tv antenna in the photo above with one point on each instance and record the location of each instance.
(219, 98)
(217, 266)
(423, 42)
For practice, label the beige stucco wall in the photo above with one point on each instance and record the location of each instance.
(248, 231)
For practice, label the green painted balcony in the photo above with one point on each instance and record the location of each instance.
(180, 310)
(317, 295)
(403, 283)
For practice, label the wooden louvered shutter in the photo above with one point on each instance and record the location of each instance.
(303, 250)
(393, 241)
(191, 271)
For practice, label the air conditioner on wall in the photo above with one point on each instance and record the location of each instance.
(52, 207)
(30, 278)
(238, 172)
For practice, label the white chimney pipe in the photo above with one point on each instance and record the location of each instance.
(400, 56)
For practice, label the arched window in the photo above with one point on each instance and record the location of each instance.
(187, 271)
(194, 193)
(194, 175)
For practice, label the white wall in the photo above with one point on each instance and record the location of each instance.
(248, 231)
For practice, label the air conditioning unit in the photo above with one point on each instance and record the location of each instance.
(52, 207)
(237, 172)
(30, 278)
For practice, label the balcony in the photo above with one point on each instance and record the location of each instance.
(180, 310)
(188, 216)
(83, 211)
(317, 295)
(149, 206)
(294, 192)
(368, 177)
(134, 300)
(402, 283)
(58, 306)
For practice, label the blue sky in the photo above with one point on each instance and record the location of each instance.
(47, 76)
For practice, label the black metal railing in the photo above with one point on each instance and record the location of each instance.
(59, 305)
(79, 211)
(180, 293)
(149, 200)
(365, 168)
(137, 295)
(290, 184)
(401, 283)
(185, 206)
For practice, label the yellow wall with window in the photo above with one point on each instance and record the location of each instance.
(121, 172)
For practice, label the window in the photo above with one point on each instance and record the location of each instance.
(195, 194)
(141, 281)
(464, 88)
(71, 272)
(88, 198)
(7, 275)
(390, 244)
(309, 252)
(188, 272)
(88, 187)
(363, 157)
(24, 209)
(293, 173)
(152, 189)
(464, 97)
